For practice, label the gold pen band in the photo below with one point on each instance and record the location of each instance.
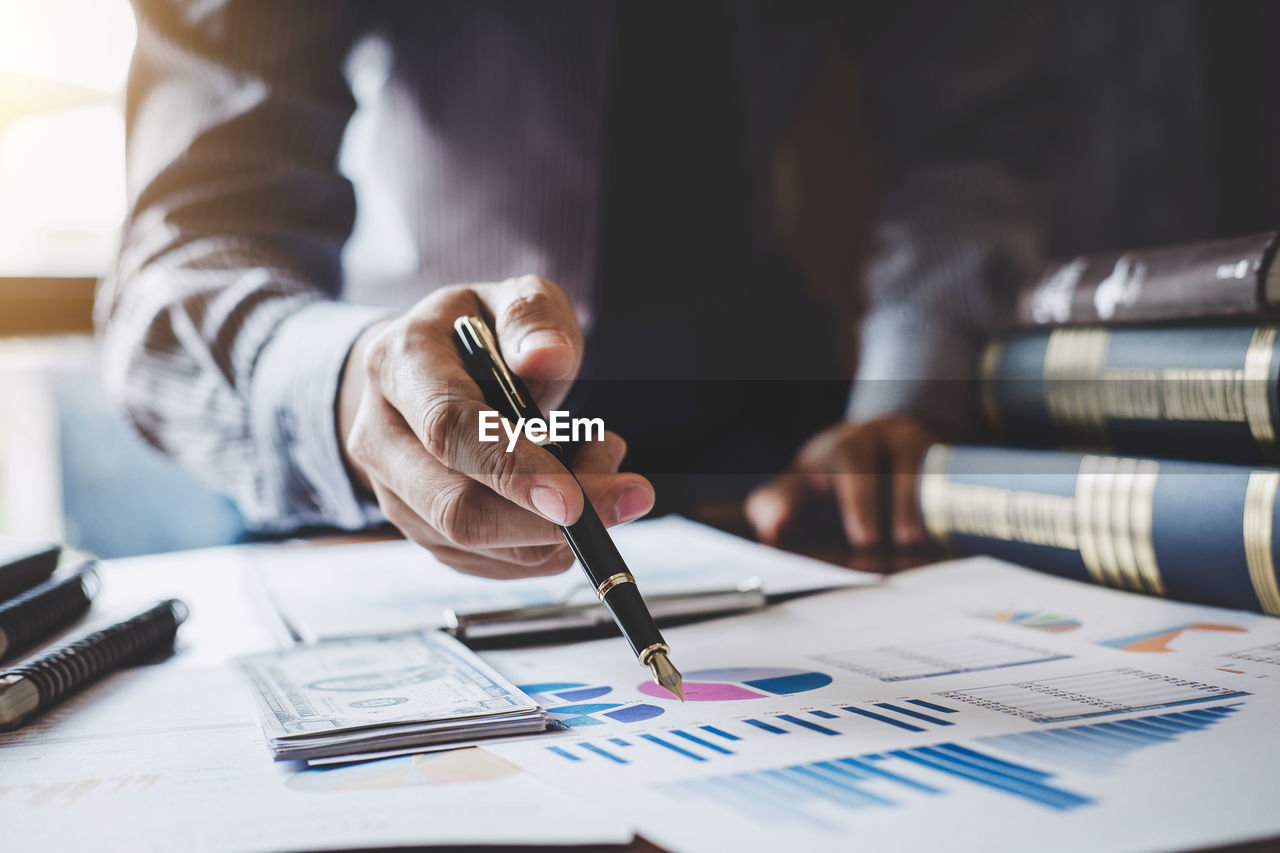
(648, 652)
(612, 581)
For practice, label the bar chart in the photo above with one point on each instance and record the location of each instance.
(1098, 747)
(708, 743)
(929, 659)
(1093, 694)
(831, 794)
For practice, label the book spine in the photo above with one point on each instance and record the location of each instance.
(1221, 278)
(1191, 531)
(1198, 393)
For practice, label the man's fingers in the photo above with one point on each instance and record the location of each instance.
(522, 472)
(461, 510)
(616, 497)
(416, 366)
(771, 507)
(600, 457)
(445, 418)
(536, 327)
(501, 563)
(908, 529)
(908, 450)
(472, 563)
(855, 487)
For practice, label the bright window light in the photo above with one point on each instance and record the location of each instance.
(63, 65)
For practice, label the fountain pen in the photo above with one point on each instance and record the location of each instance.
(587, 537)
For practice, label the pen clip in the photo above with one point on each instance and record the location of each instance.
(475, 332)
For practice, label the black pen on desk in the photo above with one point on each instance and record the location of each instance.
(33, 687)
(587, 537)
(45, 609)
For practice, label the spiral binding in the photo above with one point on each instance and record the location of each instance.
(81, 663)
(42, 610)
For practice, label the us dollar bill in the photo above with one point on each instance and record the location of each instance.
(389, 681)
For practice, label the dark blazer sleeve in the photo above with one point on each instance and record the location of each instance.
(966, 121)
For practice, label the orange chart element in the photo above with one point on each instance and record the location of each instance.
(435, 768)
(1160, 640)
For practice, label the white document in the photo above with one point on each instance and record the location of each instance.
(893, 720)
(1238, 645)
(170, 758)
(348, 590)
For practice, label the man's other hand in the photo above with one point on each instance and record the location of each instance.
(852, 464)
(408, 419)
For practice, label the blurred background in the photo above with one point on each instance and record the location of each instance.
(1173, 132)
(70, 468)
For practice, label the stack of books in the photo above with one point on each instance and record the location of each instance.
(1156, 370)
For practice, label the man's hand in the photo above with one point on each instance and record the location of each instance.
(851, 462)
(408, 418)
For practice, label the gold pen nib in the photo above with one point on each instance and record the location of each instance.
(665, 673)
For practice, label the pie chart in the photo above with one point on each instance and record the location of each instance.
(1038, 619)
(566, 701)
(744, 682)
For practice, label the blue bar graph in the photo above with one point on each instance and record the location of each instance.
(714, 747)
(1097, 747)
(806, 724)
(937, 721)
(830, 794)
(1011, 783)
(563, 753)
(763, 726)
(807, 793)
(603, 753)
(719, 732)
(679, 750)
(932, 707)
(881, 718)
(712, 742)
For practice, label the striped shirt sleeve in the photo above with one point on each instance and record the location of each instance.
(222, 335)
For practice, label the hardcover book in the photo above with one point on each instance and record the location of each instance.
(1219, 278)
(1192, 531)
(1201, 393)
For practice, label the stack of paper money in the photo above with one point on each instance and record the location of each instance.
(350, 696)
